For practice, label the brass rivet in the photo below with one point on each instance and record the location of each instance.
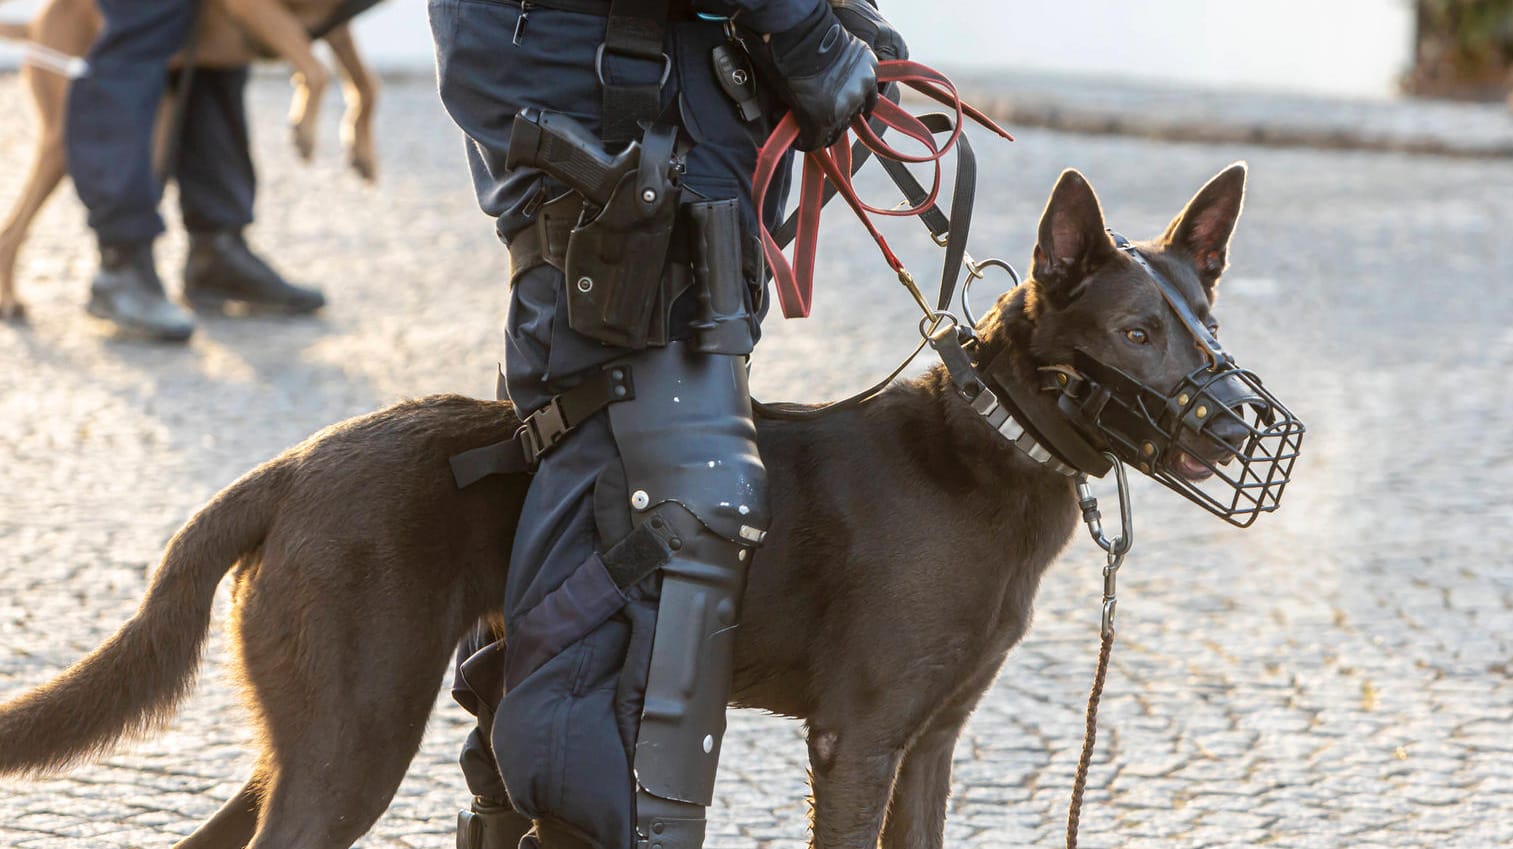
(1149, 449)
(1201, 411)
(1145, 467)
(1061, 378)
(1182, 399)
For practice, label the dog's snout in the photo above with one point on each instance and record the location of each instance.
(1229, 430)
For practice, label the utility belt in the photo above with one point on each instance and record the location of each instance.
(677, 10)
(630, 244)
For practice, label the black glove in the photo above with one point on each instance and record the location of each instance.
(824, 73)
(862, 19)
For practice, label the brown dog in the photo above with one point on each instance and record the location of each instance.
(358, 565)
(69, 27)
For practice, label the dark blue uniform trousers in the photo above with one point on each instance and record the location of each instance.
(111, 115)
(565, 731)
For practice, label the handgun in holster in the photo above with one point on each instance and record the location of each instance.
(617, 291)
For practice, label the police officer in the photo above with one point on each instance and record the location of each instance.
(628, 330)
(109, 141)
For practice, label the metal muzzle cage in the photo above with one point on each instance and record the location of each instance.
(1219, 438)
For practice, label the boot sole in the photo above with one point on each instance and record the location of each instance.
(216, 304)
(96, 309)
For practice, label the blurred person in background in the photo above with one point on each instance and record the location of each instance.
(112, 114)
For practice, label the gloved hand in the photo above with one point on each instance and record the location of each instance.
(824, 73)
(862, 19)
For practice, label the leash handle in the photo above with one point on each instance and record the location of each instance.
(795, 281)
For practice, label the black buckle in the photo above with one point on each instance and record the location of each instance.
(542, 430)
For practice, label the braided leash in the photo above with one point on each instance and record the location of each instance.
(1116, 548)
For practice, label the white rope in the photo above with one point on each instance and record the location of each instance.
(47, 59)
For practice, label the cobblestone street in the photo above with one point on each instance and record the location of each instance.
(1341, 674)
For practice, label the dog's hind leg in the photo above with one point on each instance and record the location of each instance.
(360, 91)
(272, 24)
(343, 647)
(233, 825)
(48, 169)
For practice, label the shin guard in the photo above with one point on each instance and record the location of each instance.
(688, 445)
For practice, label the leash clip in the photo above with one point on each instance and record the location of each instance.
(1116, 548)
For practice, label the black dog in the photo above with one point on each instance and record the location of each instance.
(359, 565)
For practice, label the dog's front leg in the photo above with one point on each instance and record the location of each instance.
(851, 775)
(917, 812)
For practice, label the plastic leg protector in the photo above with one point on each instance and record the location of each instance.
(689, 449)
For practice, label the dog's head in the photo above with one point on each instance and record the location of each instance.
(1106, 318)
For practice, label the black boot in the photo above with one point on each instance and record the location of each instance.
(221, 268)
(128, 292)
(491, 825)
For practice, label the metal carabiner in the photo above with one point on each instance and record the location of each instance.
(1119, 545)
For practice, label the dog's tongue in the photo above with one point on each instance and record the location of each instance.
(1191, 467)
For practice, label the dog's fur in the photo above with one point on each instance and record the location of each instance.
(280, 26)
(908, 539)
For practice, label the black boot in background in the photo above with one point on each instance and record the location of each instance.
(128, 293)
(221, 269)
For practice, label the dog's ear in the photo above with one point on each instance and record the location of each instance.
(1203, 229)
(1073, 242)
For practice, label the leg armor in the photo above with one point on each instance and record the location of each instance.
(692, 474)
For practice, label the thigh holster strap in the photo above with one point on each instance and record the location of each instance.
(544, 430)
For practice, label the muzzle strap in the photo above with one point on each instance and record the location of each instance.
(1207, 342)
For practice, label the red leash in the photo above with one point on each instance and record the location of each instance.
(795, 281)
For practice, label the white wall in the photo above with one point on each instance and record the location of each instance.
(1327, 46)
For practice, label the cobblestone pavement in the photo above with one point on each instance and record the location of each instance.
(1338, 675)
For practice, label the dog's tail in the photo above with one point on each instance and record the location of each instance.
(132, 682)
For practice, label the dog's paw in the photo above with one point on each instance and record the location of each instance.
(302, 134)
(364, 167)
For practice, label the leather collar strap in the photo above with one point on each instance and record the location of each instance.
(795, 282)
(1002, 417)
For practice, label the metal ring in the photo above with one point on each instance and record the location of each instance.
(936, 318)
(599, 65)
(974, 272)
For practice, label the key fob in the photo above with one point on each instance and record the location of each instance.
(733, 70)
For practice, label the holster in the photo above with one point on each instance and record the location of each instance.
(617, 287)
(726, 285)
(624, 304)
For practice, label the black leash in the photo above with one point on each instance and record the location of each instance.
(949, 232)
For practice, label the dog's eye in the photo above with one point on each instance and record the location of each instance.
(1136, 335)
